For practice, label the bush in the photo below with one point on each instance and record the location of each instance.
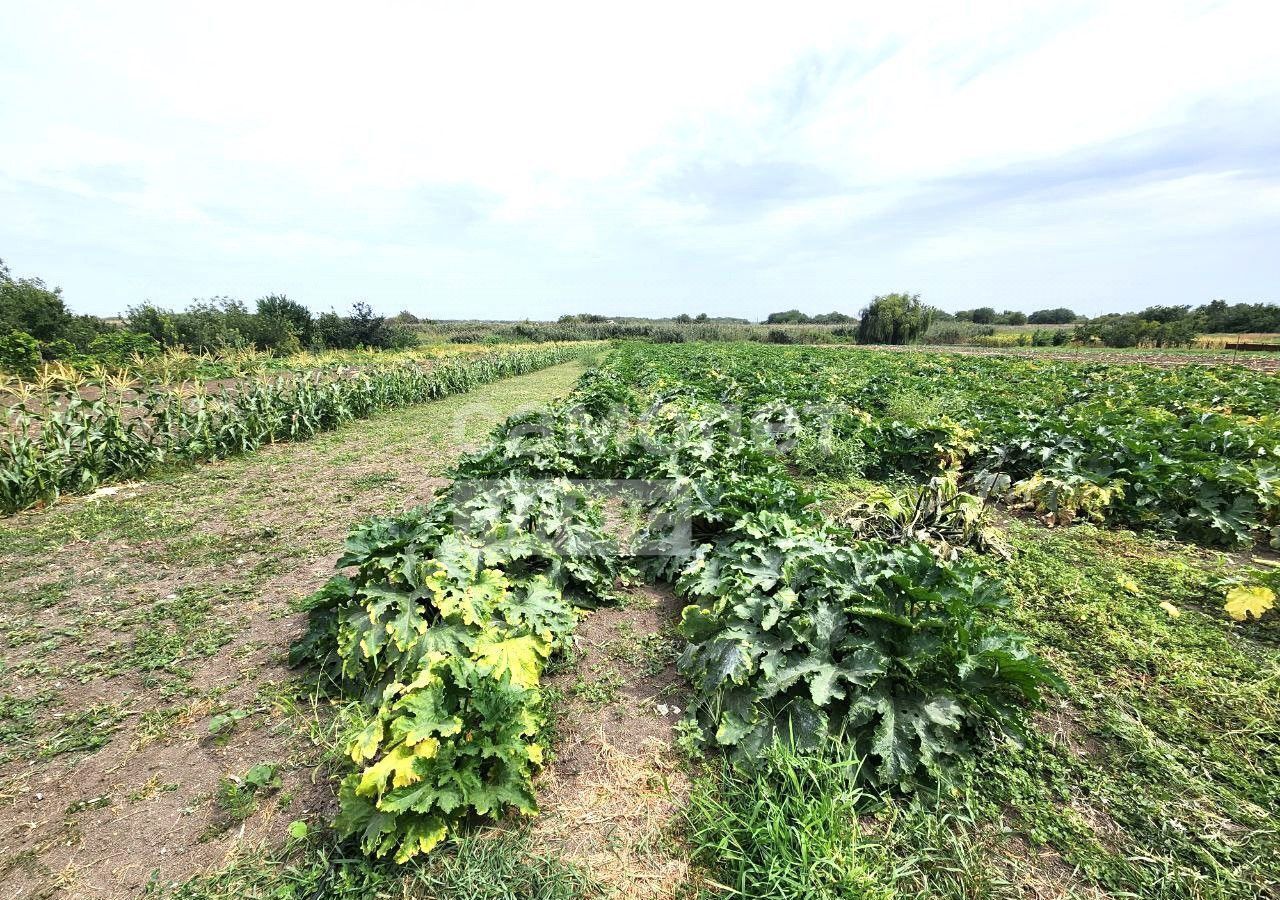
(956, 332)
(467, 337)
(279, 318)
(19, 353)
(119, 345)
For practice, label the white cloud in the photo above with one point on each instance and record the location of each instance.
(530, 159)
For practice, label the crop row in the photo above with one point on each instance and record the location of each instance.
(73, 442)
(1192, 451)
(796, 627)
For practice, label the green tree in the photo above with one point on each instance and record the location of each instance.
(1165, 314)
(894, 319)
(156, 323)
(28, 305)
(1059, 315)
(833, 318)
(787, 317)
(1237, 318)
(279, 308)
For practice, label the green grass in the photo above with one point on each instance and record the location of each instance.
(650, 653)
(788, 829)
(18, 729)
(1170, 785)
(177, 629)
(88, 729)
(373, 480)
(1156, 774)
(238, 797)
(492, 865)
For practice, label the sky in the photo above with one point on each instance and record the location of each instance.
(531, 159)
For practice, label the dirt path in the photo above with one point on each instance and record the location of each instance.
(132, 618)
(610, 795)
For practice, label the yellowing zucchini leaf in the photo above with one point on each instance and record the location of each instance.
(365, 745)
(521, 656)
(398, 765)
(1254, 600)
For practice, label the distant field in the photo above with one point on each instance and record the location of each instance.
(1227, 341)
(1164, 357)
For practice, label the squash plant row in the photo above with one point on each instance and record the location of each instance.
(72, 440)
(1192, 451)
(796, 629)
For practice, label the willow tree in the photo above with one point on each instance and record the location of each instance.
(895, 319)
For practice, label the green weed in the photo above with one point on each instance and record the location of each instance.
(87, 730)
(601, 690)
(491, 865)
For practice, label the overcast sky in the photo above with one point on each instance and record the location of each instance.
(531, 159)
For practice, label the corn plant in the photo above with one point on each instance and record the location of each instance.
(69, 432)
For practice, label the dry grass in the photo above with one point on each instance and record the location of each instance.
(615, 819)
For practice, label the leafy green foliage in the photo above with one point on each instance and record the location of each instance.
(19, 353)
(882, 647)
(937, 513)
(795, 627)
(444, 630)
(68, 443)
(224, 723)
(1193, 451)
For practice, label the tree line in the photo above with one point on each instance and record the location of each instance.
(902, 319)
(36, 326)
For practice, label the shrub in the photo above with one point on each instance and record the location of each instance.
(119, 345)
(467, 337)
(19, 353)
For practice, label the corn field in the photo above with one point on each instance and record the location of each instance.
(68, 436)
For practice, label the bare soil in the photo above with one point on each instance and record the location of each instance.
(130, 619)
(610, 797)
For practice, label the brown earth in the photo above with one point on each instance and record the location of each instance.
(131, 618)
(611, 795)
